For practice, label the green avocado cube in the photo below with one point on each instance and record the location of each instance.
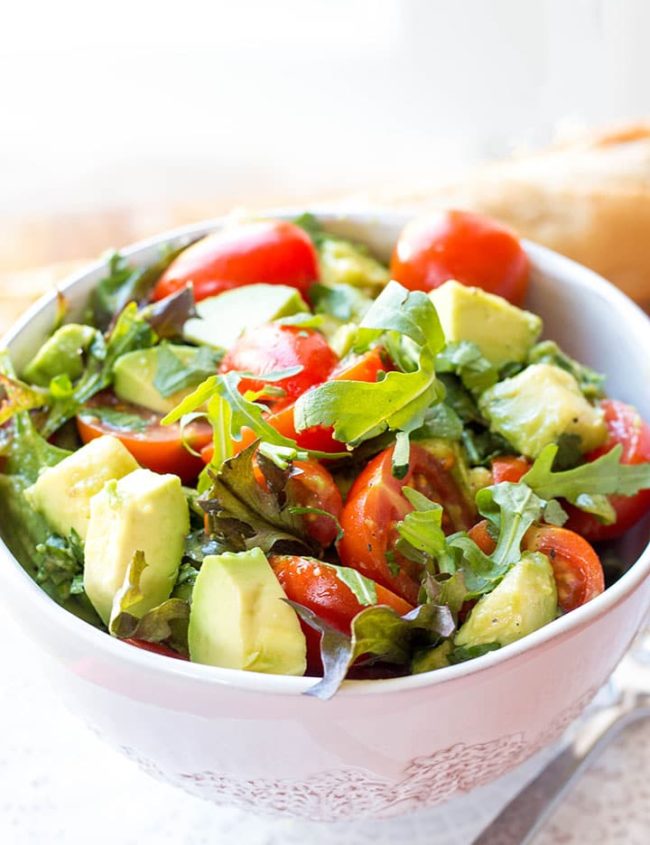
(222, 319)
(61, 354)
(142, 512)
(239, 618)
(539, 405)
(524, 601)
(62, 493)
(501, 331)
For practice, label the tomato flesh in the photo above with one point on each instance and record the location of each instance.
(625, 427)
(267, 251)
(316, 586)
(270, 348)
(156, 447)
(577, 568)
(376, 504)
(461, 245)
(509, 468)
(156, 648)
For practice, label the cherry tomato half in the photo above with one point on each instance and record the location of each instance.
(509, 468)
(376, 504)
(624, 426)
(576, 566)
(272, 347)
(310, 485)
(365, 367)
(154, 446)
(316, 585)
(461, 245)
(269, 251)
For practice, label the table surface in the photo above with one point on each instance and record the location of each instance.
(60, 784)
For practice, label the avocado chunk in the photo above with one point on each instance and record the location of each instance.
(143, 512)
(348, 263)
(524, 601)
(537, 406)
(61, 354)
(139, 376)
(501, 331)
(239, 619)
(62, 493)
(222, 318)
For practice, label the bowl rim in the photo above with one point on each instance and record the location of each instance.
(544, 260)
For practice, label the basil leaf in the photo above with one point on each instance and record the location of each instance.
(174, 374)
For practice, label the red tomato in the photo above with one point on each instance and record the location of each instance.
(157, 447)
(312, 486)
(509, 468)
(315, 585)
(624, 426)
(157, 648)
(576, 566)
(270, 251)
(464, 246)
(376, 504)
(272, 347)
(365, 367)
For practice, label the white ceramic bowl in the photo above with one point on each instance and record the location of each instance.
(379, 748)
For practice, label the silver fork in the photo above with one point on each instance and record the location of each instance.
(523, 817)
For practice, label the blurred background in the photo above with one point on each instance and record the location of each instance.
(122, 119)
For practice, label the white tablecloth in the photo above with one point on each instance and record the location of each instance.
(60, 785)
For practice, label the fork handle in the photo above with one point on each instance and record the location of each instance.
(524, 815)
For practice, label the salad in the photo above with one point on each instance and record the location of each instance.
(268, 451)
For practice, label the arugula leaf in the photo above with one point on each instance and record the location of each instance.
(466, 360)
(281, 456)
(364, 589)
(401, 452)
(299, 510)
(548, 352)
(123, 284)
(359, 411)
(603, 477)
(377, 631)
(342, 302)
(460, 400)
(569, 451)
(19, 397)
(421, 538)
(174, 374)
(511, 509)
(243, 514)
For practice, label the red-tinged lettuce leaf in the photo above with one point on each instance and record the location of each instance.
(379, 633)
(168, 316)
(244, 514)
